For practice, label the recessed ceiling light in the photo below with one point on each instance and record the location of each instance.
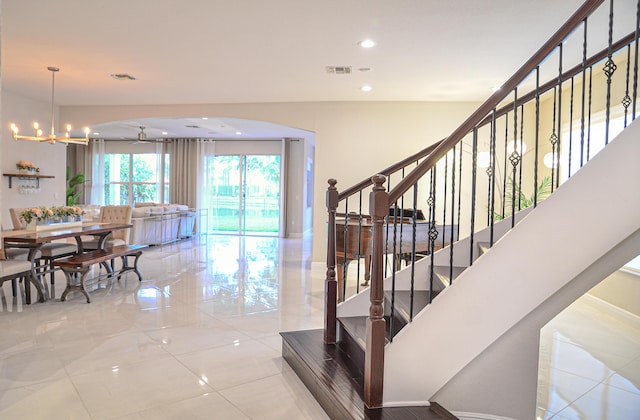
(367, 43)
(164, 133)
(366, 88)
(238, 133)
(205, 118)
(96, 134)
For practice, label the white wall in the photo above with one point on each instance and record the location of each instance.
(353, 140)
(493, 312)
(51, 159)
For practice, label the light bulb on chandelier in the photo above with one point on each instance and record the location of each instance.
(51, 138)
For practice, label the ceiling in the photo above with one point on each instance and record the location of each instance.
(254, 51)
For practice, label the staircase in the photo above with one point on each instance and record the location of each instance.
(458, 325)
(335, 373)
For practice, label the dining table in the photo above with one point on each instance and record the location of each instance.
(34, 240)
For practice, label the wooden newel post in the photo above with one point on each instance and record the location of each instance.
(331, 285)
(374, 356)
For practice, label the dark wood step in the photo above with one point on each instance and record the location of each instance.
(352, 333)
(330, 377)
(352, 336)
(353, 330)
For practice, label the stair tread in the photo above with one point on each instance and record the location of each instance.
(356, 327)
(444, 271)
(328, 376)
(402, 301)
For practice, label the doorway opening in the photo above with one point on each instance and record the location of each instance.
(243, 194)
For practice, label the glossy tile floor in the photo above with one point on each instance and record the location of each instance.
(590, 364)
(198, 338)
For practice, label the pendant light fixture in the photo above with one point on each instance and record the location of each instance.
(52, 138)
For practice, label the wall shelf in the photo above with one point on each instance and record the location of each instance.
(37, 177)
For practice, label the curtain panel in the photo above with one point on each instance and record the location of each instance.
(186, 174)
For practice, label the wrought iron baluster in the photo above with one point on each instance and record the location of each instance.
(584, 88)
(413, 248)
(609, 69)
(444, 194)
(635, 62)
(345, 264)
(559, 127)
(553, 139)
(444, 222)
(537, 140)
(359, 243)
(386, 236)
(626, 101)
(433, 231)
(505, 154)
(514, 158)
(589, 112)
(474, 170)
(521, 156)
(394, 268)
(570, 127)
(492, 179)
(401, 225)
(459, 192)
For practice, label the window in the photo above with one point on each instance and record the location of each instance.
(582, 149)
(135, 177)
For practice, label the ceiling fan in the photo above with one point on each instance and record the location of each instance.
(142, 136)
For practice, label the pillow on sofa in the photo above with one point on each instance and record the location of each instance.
(144, 204)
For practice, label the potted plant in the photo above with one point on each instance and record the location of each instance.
(72, 184)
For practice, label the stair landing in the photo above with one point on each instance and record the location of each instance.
(337, 384)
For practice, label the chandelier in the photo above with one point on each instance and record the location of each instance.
(51, 138)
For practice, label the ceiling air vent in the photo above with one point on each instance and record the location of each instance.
(192, 126)
(338, 69)
(122, 76)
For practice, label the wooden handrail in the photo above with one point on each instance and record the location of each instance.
(617, 46)
(494, 100)
(388, 171)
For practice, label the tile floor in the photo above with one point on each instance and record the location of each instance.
(198, 338)
(590, 364)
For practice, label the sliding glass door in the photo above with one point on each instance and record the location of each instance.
(243, 193)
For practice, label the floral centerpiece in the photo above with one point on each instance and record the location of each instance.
(52, 216)
(27, 166)
(70, 213)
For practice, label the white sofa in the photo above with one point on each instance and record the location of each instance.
(157, 224)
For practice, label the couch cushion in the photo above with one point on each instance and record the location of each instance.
(140, 212)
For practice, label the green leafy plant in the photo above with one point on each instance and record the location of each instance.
(72, 184)
(521, 200)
